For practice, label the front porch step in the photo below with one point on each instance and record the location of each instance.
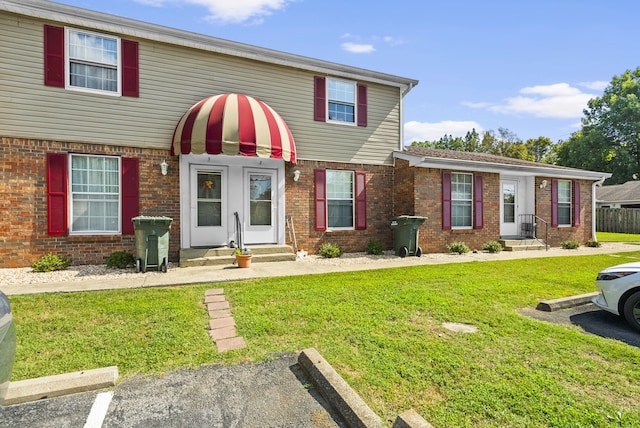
(522, 245)
(225, 255)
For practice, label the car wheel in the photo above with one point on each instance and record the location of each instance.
(632, 310)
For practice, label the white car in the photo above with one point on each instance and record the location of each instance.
(619, 292)
(7, 345)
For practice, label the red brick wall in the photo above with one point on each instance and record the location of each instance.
(24, 202)
(300, 206)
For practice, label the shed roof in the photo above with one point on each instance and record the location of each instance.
(625, 193)
(483, 162)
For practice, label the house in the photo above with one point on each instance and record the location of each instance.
(626, 195)
(104, 118)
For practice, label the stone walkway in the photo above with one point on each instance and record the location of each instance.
(222, 327)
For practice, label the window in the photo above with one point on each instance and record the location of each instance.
(564, 203)
(461, 200)
(90, 62)
(340, 101)
(340, 200)
(88, 194)
(95, 194)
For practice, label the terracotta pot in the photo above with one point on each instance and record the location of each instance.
(243, 260)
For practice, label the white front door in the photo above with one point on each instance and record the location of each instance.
(209, 222)
(509, 208)
(260, 206)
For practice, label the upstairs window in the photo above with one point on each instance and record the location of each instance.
(340, 101)
(84, 61)
(93, 62)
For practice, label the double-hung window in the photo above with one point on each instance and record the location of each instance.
(564, 203)
(95, 194)
(461, 200)
(342, 101)
(93, 62)
(340, 204)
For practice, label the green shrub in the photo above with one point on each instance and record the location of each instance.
(120, 260)
(375, 248)
(570, 245)
(492, 247)
(458, 248)
(329, 251)
(50, 262)
(593, 243)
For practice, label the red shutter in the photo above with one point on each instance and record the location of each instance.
(478, 211)
(446, 200)
(130, 194)
(54, 56)
(57, 194)
(319, 99)
(362, 105)
(576, 203)
(130, 78)
(320, 177)
(554, 203)
(361, 200)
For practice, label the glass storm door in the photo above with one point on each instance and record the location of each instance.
(509, 208)
(208, 202)
(261, 207)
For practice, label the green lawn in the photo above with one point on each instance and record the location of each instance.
(618, 237)
(381, 330)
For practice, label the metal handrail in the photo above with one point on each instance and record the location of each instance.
(529, 227)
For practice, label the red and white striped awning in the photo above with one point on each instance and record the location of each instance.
(234, 124)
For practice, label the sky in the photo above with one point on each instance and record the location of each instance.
(529, 66)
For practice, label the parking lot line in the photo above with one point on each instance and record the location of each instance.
(99, 410)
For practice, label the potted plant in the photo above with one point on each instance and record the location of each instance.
(243, 257)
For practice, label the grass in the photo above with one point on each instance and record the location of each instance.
(618, 237)
(381, 330)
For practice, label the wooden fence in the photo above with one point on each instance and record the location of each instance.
(618, 220)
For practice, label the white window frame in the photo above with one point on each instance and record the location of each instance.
(71, 193)
(328, 174)
(466, 201)
(68, 60)
(564, 203)
(330, 100)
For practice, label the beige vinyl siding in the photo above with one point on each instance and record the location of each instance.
(172, 79)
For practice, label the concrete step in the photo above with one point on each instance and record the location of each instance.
(225, 255)
(522, 245)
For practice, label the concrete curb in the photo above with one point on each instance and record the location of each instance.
(411, 419)
(565, 302)
(338, 393)
(24, 391)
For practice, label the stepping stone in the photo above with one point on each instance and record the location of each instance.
(221, 323)
(220, 313)
(214, 298)
(218, 305)
(223, 333)
(214, 292)
(230, 344)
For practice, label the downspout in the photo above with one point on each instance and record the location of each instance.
(593, 207)
(404, 92)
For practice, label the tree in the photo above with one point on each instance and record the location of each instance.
(539, 148)
(609, 140)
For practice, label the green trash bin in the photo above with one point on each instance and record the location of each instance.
(152, 242)
(405, 235)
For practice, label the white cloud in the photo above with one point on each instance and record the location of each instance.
(393, 41)
(560, 100)
(425, 131)
(357, 47)
(598, 85)
(235, 11)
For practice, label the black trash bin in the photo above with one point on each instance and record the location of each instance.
(152, 242)
(405, 235)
